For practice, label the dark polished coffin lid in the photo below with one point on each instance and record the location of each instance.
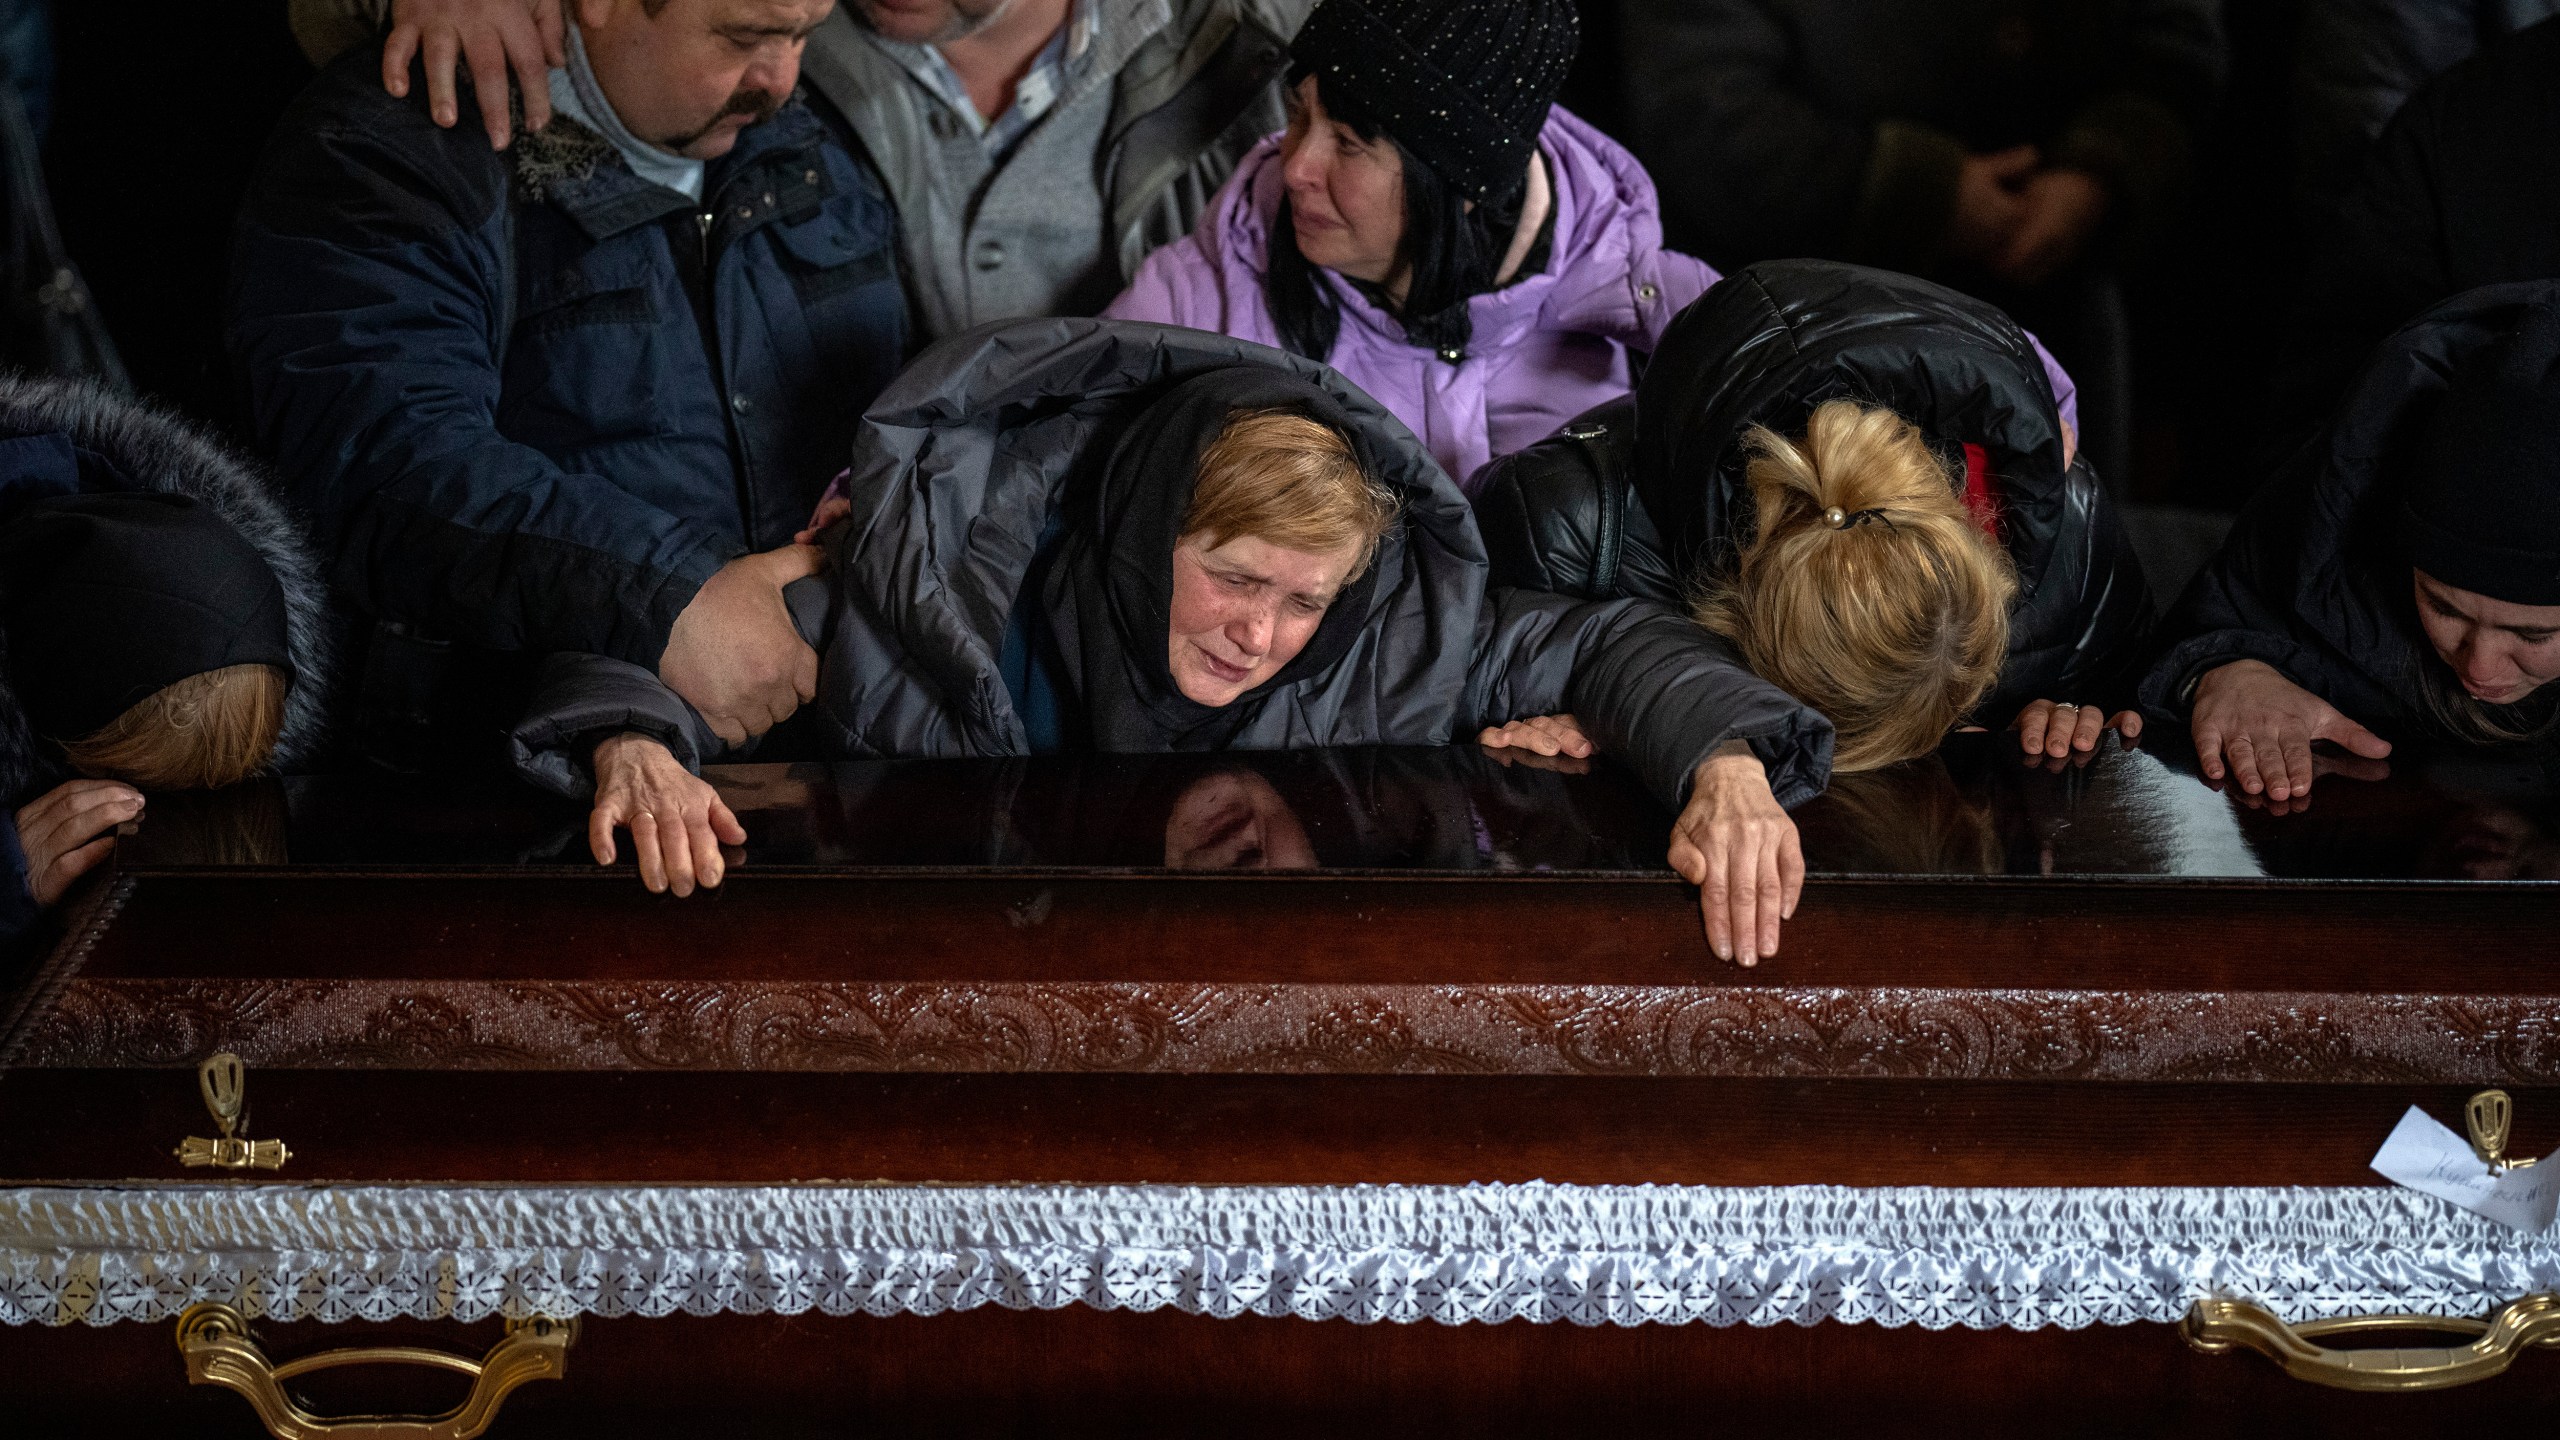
(1475, 972)
(995, 971)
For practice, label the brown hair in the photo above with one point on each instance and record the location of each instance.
(1281, 477)
(203, 732)
(1866, 591)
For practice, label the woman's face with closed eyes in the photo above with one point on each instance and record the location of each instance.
(1243, 609)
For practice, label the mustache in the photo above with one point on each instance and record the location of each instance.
(759, 103)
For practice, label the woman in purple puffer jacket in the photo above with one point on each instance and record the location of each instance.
(1430, 225)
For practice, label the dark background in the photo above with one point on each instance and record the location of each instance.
(2205, 303)
(162, 108)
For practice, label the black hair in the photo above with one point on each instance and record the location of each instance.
(1452, 252)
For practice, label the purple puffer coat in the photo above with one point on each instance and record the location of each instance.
(1545, 349)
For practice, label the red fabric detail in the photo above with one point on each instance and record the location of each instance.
(1978, 496)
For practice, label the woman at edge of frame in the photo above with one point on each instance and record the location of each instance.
(2400, 575)
(1808, 426)
(1015, 564)
(164, 626)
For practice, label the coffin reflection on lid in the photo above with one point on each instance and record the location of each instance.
(1453, 808)
(1973, 809)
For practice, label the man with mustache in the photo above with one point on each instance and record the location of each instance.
(1036, 150)
(578, 394)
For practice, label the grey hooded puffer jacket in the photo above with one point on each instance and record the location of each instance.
(956, 475)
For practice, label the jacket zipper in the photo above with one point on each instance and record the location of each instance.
(706, 320)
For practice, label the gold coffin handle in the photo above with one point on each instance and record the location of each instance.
(224, 1083)
(2216, 1325)
(218, 1350)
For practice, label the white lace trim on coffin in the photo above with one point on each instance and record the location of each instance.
(1591, 1255)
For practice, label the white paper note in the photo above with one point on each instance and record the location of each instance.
(2429, 1158)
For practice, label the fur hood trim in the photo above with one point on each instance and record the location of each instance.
(161, 452)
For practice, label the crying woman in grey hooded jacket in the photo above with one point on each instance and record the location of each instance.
(1028, 557)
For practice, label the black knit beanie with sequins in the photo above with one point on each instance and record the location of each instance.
(1463, 84)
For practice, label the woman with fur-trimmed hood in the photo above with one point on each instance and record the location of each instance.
(163, 626)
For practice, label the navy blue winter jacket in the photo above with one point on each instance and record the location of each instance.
(531, 400)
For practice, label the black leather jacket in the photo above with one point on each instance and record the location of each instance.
(1645, 495)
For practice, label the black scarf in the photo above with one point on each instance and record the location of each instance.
(1109, 592)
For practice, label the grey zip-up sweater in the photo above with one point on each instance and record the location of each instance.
(1125, 161)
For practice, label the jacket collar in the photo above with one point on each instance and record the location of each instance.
(1117, 30)
(577, 171)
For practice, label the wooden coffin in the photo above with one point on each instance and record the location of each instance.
(1009, 986)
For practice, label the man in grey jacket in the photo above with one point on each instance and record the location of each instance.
(1036, 150)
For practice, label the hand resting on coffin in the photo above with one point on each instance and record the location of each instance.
(1733, 840)
(69, 830)
(677, 821)
(1738, 845)
(2059, 730)
(2254, 727)
(1543, 735)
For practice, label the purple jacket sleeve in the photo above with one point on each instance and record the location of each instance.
(2066, 396)
(1174, 286)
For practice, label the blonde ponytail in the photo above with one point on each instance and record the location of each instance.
(1866, 590)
